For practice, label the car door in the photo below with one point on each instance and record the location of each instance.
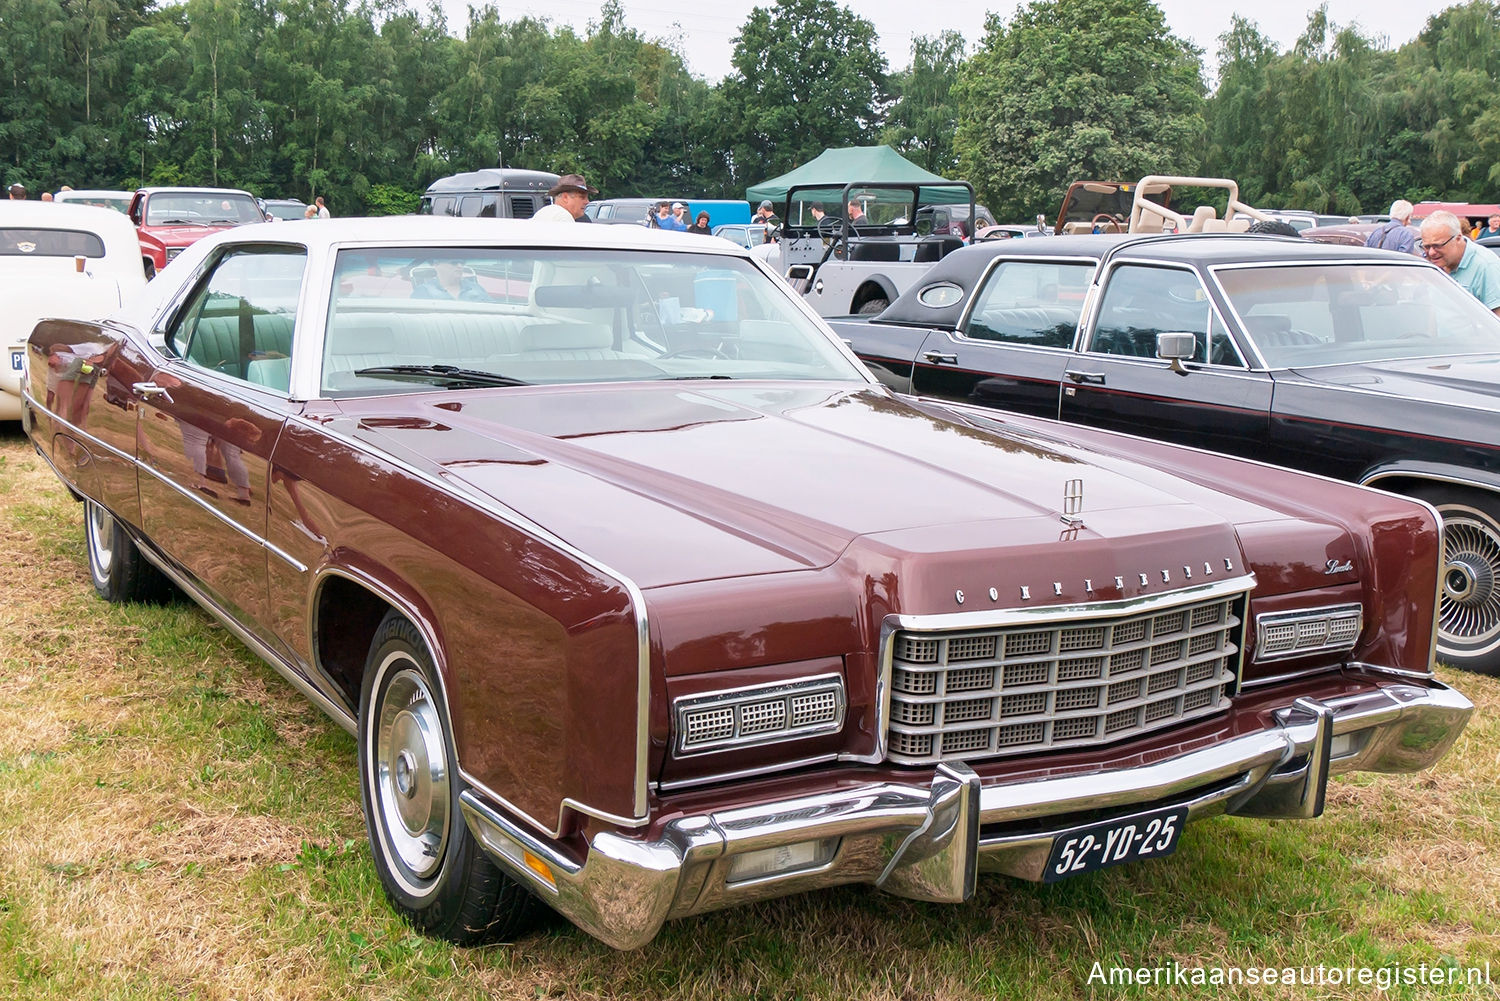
(1116, 381)
(1012, 344)
(210, 417)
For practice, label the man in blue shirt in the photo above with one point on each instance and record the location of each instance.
(1396, 234)
(1474, 267)
(664, 219)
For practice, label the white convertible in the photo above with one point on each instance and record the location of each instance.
(58, 260)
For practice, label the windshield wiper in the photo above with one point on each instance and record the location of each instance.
(446, 374)
(680, 378)
(173, 222)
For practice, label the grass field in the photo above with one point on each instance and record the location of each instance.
(176, 822)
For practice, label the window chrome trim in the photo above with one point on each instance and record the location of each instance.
(957, 333)
(999, 618)
(1088, 325)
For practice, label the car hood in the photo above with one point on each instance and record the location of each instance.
(1461, 381)
(182, 236)
(669, 484)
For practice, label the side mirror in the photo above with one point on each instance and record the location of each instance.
(1176, 347)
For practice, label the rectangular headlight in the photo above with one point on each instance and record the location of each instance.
(759, 714)
(1330, 629)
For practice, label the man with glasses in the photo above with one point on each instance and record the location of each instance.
(1472, 266)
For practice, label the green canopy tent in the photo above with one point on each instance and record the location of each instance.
(834, 168)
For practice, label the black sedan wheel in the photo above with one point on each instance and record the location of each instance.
(1469, 607)
(119, 571)
(433, 870)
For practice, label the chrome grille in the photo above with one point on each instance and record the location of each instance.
(1015, 689)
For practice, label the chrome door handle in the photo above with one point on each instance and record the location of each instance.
(1096, 378)
(939, 358)
(150, 391)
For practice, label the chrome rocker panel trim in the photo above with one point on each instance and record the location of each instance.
(926, 841)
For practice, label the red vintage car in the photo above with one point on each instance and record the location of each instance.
(642, 598)
(168, 220)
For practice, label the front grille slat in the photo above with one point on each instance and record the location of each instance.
(1019, 689)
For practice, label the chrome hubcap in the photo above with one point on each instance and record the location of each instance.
(1469, 611)
(411, 778)
(100, 528)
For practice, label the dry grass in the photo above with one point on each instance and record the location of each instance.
(176, 822)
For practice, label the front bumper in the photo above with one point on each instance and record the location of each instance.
(927, 841)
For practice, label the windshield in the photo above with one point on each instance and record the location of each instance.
(214, 208)
(564, 316)
(1328, 314)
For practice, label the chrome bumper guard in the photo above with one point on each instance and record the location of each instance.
(927, 841)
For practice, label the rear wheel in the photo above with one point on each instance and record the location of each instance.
(433, 870)
(119, 571)
(1469, 605)
(872, 306)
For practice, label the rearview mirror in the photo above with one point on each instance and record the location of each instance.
(1176, 347)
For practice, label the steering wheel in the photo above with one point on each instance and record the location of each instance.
(1105, 217)
(715, 351)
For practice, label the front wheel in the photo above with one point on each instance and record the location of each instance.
(433, 871)
(1469, 605)
(119, 571)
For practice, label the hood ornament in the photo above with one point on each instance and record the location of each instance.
(1072, 502)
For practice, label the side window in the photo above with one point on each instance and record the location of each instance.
(241, 319)
(1030, 302)
(445, 205)
(1140, 302)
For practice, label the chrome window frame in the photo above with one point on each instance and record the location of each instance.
(957, 333)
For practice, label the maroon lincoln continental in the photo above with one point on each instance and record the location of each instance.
(643, 598)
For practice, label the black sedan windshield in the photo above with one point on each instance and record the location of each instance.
(1329, 314)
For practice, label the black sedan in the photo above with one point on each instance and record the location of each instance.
(1359, 364)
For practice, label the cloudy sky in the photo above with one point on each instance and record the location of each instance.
(708, 28)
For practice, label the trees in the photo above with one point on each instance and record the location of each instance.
(302, 97)
(1074, 89)
(921, 120)
(808, 75)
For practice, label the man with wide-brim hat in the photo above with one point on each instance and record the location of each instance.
(572, 192)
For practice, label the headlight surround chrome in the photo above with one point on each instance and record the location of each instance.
(1305, 631)
(758, 714)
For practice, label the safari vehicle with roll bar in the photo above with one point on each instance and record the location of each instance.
(862, 268)
(1145, 206)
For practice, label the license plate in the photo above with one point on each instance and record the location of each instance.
(1115, 842)
(15, 360)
